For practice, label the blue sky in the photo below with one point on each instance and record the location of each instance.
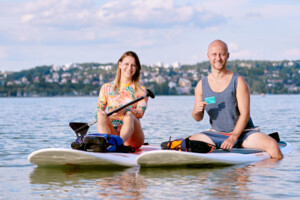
(46, 32)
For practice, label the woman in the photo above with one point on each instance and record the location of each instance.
(123, 89)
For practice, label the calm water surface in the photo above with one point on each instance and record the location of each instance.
(29, 124)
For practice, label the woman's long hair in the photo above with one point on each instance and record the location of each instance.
(136, 76)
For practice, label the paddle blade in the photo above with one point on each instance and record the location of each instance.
(79, 127)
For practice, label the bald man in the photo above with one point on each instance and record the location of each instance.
(226, 98)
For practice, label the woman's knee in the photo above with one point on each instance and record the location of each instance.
(102, 116)
(136, 140)
(129, 116)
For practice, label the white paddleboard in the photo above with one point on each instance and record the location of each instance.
(69, 157)
(166, 158)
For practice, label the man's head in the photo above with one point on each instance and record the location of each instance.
(218, 54)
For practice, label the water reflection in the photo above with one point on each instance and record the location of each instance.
(104, 183)
(215, 182)
(63, 176)
(232, 182)
(125, 185)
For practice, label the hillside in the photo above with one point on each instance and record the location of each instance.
(82, 79)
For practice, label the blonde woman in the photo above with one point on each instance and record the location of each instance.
(125, 88)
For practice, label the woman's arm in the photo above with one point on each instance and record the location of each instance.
(102, 100)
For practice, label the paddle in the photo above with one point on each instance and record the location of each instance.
(81, 128)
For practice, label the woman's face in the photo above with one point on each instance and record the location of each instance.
(128, 68)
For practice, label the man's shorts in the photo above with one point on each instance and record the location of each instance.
(219, 138)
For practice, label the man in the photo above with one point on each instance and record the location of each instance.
(226, 98)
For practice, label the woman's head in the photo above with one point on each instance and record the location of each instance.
(129, 60)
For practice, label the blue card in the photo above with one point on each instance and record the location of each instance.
(210, 100)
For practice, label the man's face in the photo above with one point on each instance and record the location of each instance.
(218, 55)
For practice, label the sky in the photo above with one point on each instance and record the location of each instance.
(56, 32)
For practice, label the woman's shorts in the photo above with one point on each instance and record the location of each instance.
(219, 138)
(117, 124)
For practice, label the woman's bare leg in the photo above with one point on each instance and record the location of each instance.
(104, 124)
(131, 131)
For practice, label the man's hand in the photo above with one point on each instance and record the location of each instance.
(229, 142)
(199, 107)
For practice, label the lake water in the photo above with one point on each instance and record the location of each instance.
(29, 124)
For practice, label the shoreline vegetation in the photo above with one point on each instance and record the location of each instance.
(86, 79)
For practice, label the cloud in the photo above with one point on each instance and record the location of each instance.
(237, 53)
(143, 14)
(245, 9)
(243, 54)
(233, 47)
(60, 14)
(156, 14)
(228, 8)
(26, 18)
(276, 11)
(53, 22)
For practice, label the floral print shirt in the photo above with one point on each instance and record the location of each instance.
(112, 99)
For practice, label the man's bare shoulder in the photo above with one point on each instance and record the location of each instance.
(242, 85)
(241, 81)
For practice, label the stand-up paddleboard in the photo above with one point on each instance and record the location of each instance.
(51, 157)
(148, 156)
(171, 158)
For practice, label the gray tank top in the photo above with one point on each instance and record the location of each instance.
(222, 108)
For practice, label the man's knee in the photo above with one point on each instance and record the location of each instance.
(274, 150)
(263, 142)
(272, 145)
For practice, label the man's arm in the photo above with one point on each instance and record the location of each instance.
(198, 111)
